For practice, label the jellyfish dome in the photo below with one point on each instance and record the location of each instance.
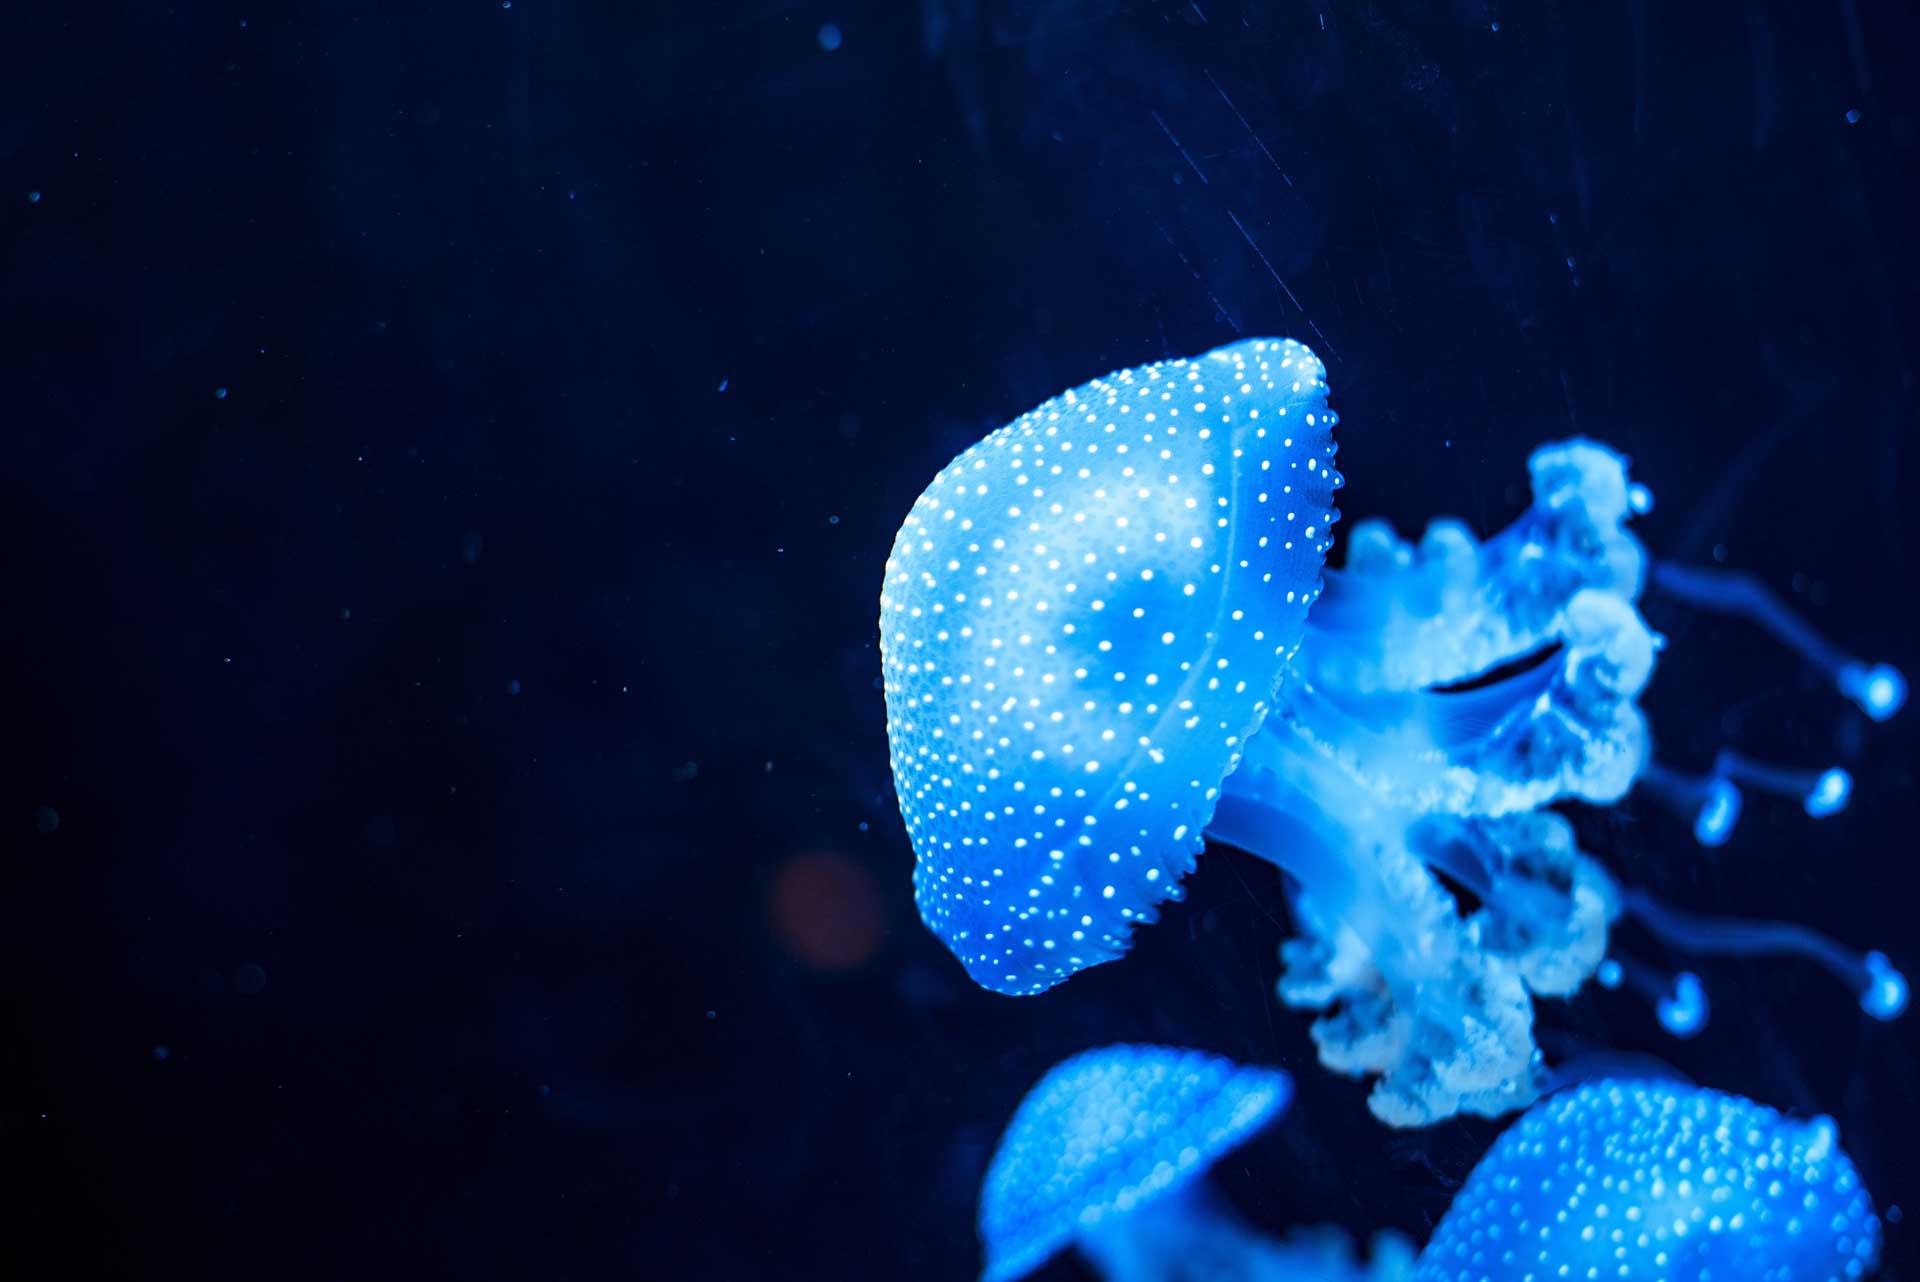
(1653, 1180)
(1083, 619)
(1107, 637)
(1109, 1152)
(1107, 1131)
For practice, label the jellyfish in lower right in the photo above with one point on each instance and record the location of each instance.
(1634, 1180)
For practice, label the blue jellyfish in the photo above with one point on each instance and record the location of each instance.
(1637, 1179)
(1618, 1179)
(1109, 1153)
(1107, 637)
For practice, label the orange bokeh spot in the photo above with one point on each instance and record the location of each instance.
(826, 910)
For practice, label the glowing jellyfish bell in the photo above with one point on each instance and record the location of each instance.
(1109, 1153)
(1630, 1179)
(1106, 635)
(1083, 619)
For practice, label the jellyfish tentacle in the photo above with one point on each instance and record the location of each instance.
(1711, 802)
(1880, 988)
(1878, 689)
(1820, 792)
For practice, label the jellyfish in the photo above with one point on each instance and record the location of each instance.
(1109, 1152)
(1645, 1179)
(1617, 1177)
(1108, 637)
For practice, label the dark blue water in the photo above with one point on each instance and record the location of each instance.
(448, 456)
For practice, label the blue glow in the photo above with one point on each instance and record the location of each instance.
(1106, 1152)
(1616, 1176)
(1646, 1179)
(1045, 783)
(1879, 690)
(1608, 974)
(1108, 636)
(1829, 793)
(1640, 499)
(829, 37)
(1684, 1011)
(1885, 996)
(1719, 812)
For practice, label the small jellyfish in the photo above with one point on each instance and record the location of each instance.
(1620, 1177)
(1109, 1153)
(1646, 1179)
(1107, 637)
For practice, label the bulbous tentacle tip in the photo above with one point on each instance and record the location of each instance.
(1879, 689)
(1719, 812)
(1831, 791)
(1684, 1011)
(1885, 996)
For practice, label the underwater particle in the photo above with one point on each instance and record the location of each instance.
(471, 545)
(513, 686)
(33, 198)
(250, 978)
(826, 911)
(46, 820)
(829, 37)
(1853, 115)
(219, 393)
(686, 772)
(161, 1054)
(1654, 1179)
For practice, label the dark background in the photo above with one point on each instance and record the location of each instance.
(472, 850)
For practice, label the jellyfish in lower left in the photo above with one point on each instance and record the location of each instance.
(1108, 636)
(1109, 1153)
